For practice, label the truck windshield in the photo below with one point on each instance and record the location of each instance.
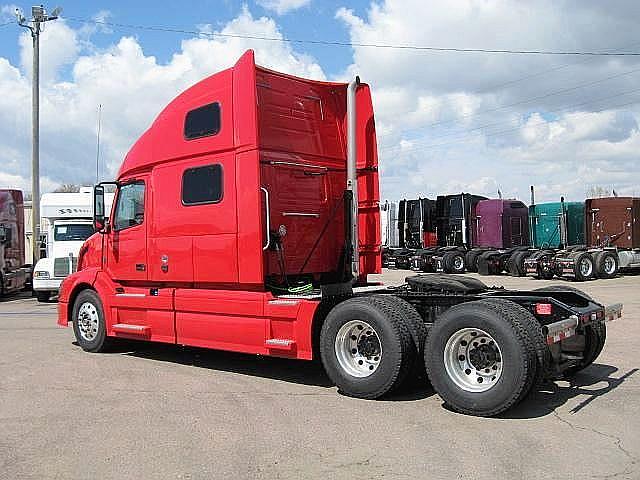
(72, 232)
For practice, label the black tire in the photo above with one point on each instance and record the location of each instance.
(398, 350)
(43, 297)
(580, 259)
(471, 259)
(503, 323)
(418, 330)
(485, 263)
(595, 337)
(546, 274)
(100, 342)
(606, 264)
(536, 336)
(453, 262)
(515, 264)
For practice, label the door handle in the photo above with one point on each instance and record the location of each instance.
(141, 267)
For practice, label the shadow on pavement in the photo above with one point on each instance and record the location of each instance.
(594, 381)
(293, 371)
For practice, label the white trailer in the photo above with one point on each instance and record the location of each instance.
(69, 222)
(389, 224)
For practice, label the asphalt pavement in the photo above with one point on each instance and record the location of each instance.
(158, 411)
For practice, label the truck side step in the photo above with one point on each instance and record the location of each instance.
(143, 330)
(280, 343)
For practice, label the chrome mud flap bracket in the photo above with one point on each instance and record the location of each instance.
(566, 328)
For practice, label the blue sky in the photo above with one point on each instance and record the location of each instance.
(314, 21)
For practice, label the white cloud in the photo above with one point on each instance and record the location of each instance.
(450, 107)
(131, 86)
(283, 6)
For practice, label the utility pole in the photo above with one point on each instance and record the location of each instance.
(98, 145)
(38, 18)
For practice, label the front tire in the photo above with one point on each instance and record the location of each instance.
(366, 348)
(479, 358)
(43, 297)
(89, 325)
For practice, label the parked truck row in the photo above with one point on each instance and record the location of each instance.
(247, 218)
(597, 238)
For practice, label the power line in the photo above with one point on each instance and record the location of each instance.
(7, 23)
(336, 43)
(541, 97)
(511, 82)
(482, 127)
(500, 132)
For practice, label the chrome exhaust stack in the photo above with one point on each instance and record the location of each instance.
(352, 173)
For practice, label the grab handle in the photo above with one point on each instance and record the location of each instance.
(268, 212)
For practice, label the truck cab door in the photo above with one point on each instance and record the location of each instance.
(126, 255)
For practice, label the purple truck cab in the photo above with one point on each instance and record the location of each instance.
(501, 224)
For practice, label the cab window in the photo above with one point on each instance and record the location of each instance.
(130, 206)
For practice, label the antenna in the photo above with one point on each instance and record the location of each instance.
(98, 144)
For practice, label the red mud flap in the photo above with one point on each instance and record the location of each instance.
(558, 331)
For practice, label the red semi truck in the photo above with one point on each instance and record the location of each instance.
(14, 274)
(247, 219)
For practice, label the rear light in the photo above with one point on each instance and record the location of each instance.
(544, 309)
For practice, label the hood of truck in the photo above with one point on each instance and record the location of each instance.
(63, 249)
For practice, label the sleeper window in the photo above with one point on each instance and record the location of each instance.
(202, 122)
(130, 207)
(202, 185)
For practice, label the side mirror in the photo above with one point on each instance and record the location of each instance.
(99, 219)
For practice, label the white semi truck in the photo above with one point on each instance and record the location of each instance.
(68, 219)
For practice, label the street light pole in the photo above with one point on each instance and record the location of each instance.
(39, 16)
(35, 149)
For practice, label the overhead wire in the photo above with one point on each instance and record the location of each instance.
(504, 84)
(482, 127)
(515, 129)
(165, 28)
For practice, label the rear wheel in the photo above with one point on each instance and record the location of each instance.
(366, 347)
(453, 262)
(418, 330)
(515, 264)
(606, 264)
(480, 358)
(583, 268)
(594, 338)
(471, 259)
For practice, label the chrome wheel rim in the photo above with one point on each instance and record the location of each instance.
(473, 360)
(586, 267)
(358, 348)
(609, 265)
(88, 321)
(458, 263)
